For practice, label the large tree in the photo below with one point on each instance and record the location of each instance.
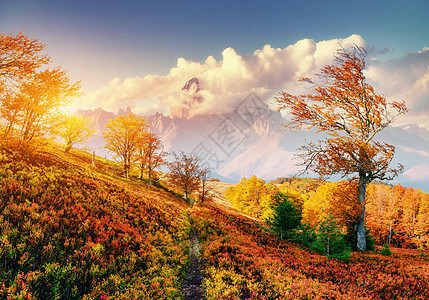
(40, 97)
(29, 95)
(346, 108)
(123, 135)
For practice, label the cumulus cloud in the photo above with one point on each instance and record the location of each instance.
(223, 84)
(405, 78)
(418, 173)
(415, 151)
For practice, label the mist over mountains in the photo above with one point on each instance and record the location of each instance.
(245, 142)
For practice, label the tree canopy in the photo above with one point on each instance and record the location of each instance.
(30, 96)
(123, 136)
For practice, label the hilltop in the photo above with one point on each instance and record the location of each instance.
(70, 230)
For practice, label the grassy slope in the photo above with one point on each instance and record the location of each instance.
(243, 261)
(71, 231)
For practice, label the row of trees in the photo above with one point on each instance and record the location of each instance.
(133, 145)
(395, 215)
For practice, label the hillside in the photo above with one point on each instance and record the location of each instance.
(72, 231)
(69, 231)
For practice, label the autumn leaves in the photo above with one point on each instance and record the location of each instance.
(129, 139)
(346, 108)
(31, 91)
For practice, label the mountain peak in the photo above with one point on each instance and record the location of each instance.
(122, 112)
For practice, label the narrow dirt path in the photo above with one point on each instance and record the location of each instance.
(193, 286)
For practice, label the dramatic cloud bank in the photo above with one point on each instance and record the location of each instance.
(223, 84)
(405, 78)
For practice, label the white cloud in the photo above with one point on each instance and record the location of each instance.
(418, 173)
(415, 151)
(224, 83)
(405, 78)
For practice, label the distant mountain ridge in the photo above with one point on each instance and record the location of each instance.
(259, 145)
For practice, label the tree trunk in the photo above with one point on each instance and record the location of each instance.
(203, 192)
(328, 250)
(360, 226)
(390, 235)
(150, 176)
(67, 149)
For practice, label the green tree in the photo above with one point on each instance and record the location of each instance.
(330, 241)
(285, 216)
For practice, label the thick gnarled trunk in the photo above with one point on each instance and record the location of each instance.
(360, 226)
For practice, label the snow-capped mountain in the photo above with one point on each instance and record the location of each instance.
(235, 147)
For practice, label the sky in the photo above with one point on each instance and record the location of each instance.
(100, 41)
(141, 53)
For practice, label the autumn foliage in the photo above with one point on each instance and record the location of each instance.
(243, 261)
(31, 91)
(343, 106)
(124, 135)
(67, 234)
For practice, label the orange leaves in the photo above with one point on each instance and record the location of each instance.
(398, 215)
(345, 107)
(20, 56)
(399, 106)
(185, 172)
(30, 96)
(151, 154)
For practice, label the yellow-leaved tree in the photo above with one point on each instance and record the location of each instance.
(123, 136)
(30, 97)
(73, 129)
(252, 196)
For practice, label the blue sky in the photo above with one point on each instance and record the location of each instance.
(134, 38)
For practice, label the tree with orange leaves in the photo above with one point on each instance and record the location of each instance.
(30, 97)
(348, 110)
(20, 56)
(151, 154)
(384, 209)
(185, 172)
